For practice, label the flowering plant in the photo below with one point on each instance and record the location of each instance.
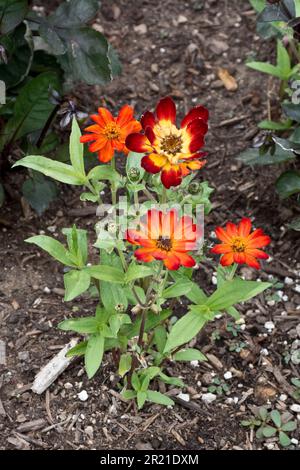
(150, 244)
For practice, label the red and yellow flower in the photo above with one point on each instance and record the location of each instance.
(173, 152)
(166, 237)
(240, 245)
(108, 133)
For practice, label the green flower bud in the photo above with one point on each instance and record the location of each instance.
(134, 174)
(194, 188)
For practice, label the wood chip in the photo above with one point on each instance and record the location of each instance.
(178, 437)
(2, 353)
(228, 80)
(34, 425)
(53, 369)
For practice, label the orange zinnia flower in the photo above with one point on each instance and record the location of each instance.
(240, 245)
(173, 152)
(165, 237)
(109, 133)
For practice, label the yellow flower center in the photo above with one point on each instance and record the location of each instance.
(238, 245)
(112, 131)
(164, 243)
(171, 144)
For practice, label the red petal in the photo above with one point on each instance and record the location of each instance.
(166, 110)
(185, 259)
(150, 135)
(222, 235)
(105, 115)
(221, 249)
(257, 253)
(244, 227)
(239, 258)
(172, 176)
(87, 138)
(138, 143)
(231, 229)
(259, 242)
(148, 120)
(153, 163)
(172, 262)
(197, 129)
(144, 254)
(252, 262)
(195, 113)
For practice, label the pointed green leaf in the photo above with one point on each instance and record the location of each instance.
(190, 355)
(141, 398)
(136, 271)
(94, 354)
(76, 282)
(181, 287)
(76, 149)
(86, 325)
(53, 247)
(124, 364)
(184, 330)
(106, 273)
(78, 350)
(159, 398)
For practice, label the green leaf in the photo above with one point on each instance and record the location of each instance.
(124, 364)
(141, 398)
(252, 156)
(295, 224)
(263, 413)
(74, 13)
(292, 111)
(78, 350)
(284, 439)
(32, 108)
(265, 67)
(136, 271)
(152, 321)
(76, 282)
(53, 247)
(135, 382)
(190, 355)
(181, 287)
(76, 149)
(276, 418)
(160, 338)
(56, 170)
(195, 294)
(171, 380)
(19, 50)
(106, 273)
(275, 126)
(289, 427)
(159, 398)
(258, 5)
(39, 192)
(288, 184)
(94, 354)
(113, 296)
(103, 172)
(12, 12)
(77, 243)
(129, 394)
(86, 325)
(269, 431)
(233, 292)
(184, 330)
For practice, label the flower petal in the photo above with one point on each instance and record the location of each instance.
(257, 253)
(197, 129)
(259, 242)
(244, 227)
(148, 120)
(227, 259)
(172, 262)
(166, 110)
(195, 113)
(105, 115)
(231, 229)
(125, 115)
(221, 249)
(131, 128)
(94, 128)
(185, 259)
(87, 138)
(99, 143)
(144, 254)
(252, 262)
(222, 235)
(239, 257)
(153, 163)
(138, 143)
(106, 153)
(171, 175)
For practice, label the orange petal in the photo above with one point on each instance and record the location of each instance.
(227, 259)
(252, 262)
(105, 115)
(144, 254)
(239, 258)
(172, 262)
(257, 253)
(221, 249)
(130, 128)
(231, 229)
(106, 153)
(95, 128)
(259, 242)
(185, 259)
(87, 138)
(244, 227)
(222, 235)
(125, 115)
(98, 144)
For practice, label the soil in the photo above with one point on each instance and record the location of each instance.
(166, 48)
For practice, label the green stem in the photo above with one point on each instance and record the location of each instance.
(94, 191)
(232, 272)
(164, 196)
(113, 185)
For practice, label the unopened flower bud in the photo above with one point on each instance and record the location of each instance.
(136, 310)
(194, 188)
(134, 174)
(155, 309)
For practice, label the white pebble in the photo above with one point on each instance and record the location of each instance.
(295, 408)
(214, 280)
(227, 375)
(271, 303)
(209, 397)
(264, 352)
(83, 396)
(195, 363)
(297, 288)
(47, 290)
(269, 325)
(289, 281)
(283, 397)
(285, 298)
(294, 441)
(184, 396)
